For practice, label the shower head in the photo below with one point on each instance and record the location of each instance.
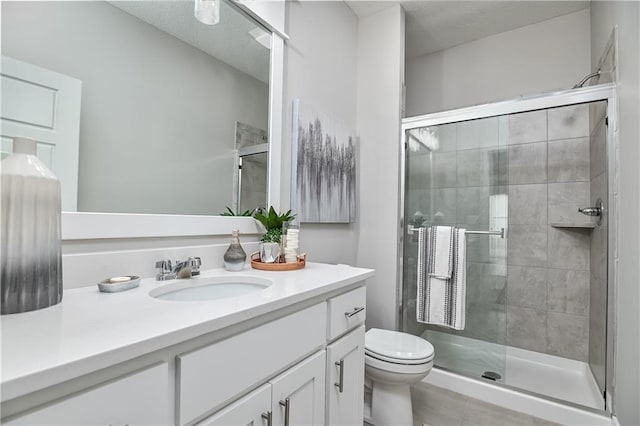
(587, 78)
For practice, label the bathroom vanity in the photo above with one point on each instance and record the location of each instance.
(290, 353)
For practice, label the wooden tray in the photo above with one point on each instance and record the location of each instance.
(256, 263)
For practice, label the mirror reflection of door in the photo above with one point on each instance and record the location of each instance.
(44, 106)
(250, 189)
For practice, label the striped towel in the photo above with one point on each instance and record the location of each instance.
(441, 300)
(440, 241)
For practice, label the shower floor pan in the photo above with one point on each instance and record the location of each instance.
(547, 375)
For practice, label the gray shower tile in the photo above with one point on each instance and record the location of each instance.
(568, 213)
(418, 172)
(414, 201)
(573, 193)
(568, 291)
(527, 328)
(568, 336)
(481, 167)
(598, 253)
(528, 204)
(444, 170)
(528, 127)
(527, 287)
(447, 137)
(442, 203)
(597, 114)
(568, 160)
(482, 133)
(528, 163)
(568, 122)
(527, 245)
(569, 248)
(486, 283)
(474, 202)
(598, 188)
(485, 321)
(478, 246)
(598, 150)
(425, 140)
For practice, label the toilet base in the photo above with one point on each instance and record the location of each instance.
(391, 404)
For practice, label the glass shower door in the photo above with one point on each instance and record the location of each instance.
(456, 175)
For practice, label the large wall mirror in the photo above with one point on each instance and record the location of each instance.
(137, 106)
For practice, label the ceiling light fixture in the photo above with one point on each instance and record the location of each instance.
(207, 11)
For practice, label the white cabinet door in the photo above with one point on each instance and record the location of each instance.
(45, 106)
(139, 399)
(252, 410)
(345, 380)
(297, 395)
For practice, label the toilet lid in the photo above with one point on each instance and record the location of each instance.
(397, 345)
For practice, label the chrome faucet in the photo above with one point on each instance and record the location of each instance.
(187, 268)
(167, 270)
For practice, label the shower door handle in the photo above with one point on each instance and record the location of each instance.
(595, 211)
(590, 211)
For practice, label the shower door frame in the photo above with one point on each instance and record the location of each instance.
(602, 92)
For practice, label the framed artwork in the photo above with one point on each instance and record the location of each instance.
(323, 175)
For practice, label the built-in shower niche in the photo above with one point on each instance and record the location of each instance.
(536, 300)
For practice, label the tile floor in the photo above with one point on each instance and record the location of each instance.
(435, 406)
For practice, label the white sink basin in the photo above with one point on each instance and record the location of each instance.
(210, 288)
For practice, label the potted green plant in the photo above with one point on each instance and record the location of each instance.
(270, 241)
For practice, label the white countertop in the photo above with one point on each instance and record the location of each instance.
(91, 330)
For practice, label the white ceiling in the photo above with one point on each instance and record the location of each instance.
(436, 25)
(229, 40)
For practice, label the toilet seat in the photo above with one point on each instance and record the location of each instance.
(397, 368)
(397, 360)
(397, 347)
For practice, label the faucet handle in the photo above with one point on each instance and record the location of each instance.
(195, 263)
(164, 270)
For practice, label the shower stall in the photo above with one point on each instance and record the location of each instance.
(539, 272)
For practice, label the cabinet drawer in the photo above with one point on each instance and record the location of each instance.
(139, 399)
(213, 375)
(346, 312)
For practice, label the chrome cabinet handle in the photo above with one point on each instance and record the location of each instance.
(340, 384)
(268, 416)
(355, 311)
(287, 408)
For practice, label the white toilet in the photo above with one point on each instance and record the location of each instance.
(393, 361)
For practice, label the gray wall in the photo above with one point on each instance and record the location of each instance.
(542, 57)
(605, 15)
(320, 70)
(380, 82)
(158, 116)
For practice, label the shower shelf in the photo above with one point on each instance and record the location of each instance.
(573, 225)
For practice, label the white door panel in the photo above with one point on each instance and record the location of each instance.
(43, 105)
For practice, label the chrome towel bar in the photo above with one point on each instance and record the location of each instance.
(500, 232)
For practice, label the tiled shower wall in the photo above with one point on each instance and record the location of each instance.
(539, 164)
(548, 244)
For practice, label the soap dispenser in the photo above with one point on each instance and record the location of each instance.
(235, 255)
